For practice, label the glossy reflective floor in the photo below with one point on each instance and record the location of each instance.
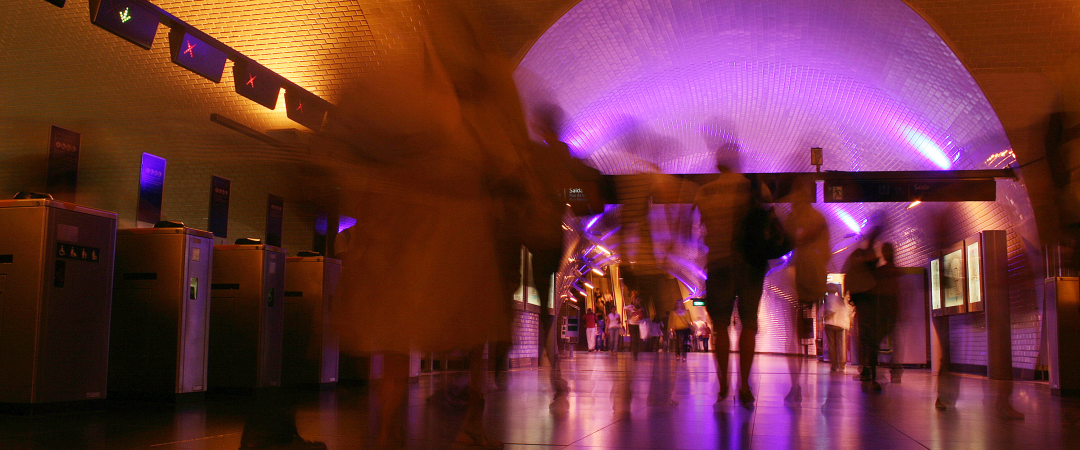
(834, 414)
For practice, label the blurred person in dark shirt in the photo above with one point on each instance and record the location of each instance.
(723, 205)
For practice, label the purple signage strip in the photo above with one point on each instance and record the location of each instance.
(196, 55)
(151, 187)
(275, 214)
(63, 172)
(218, 220)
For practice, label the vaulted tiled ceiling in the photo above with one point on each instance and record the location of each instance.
(667, 81)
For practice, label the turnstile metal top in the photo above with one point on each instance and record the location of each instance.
(174, 230)
(269, 248)
(313, 259)
(39, 202)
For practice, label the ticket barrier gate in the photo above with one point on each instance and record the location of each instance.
(246, 314)
(56, 274)
(160, 313)
(1062, 316)
(311, 344)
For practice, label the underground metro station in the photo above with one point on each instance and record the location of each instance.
(634, 224)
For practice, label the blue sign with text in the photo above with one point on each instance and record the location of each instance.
(151, 187)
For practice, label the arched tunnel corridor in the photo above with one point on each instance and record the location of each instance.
(375, 261)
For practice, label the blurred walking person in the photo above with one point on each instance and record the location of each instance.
(437, 175)
(723, 205)
(614, 330)
(837, 318)
(810, 234)
(679, 324)
(859, 278)
(633, 315)
(590, 329)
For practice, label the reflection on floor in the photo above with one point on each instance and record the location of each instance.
(835, 414)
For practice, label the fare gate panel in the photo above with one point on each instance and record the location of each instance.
(311, 344)
(246, 316)
(161, 311)
(57, 270)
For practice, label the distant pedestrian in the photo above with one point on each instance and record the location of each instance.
(614, 331)
(590, 329)
(679, 323)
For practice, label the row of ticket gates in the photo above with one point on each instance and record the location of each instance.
(88, 310)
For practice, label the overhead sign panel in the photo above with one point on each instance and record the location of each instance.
(196, 55)
(218, 220)
(275, 216)
(63, 172)
(305, 108)
(128, 19)
(882, 190)
(257, 83)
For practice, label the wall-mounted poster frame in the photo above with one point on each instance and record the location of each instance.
(953, 280)
(973, 258)
(935, 287)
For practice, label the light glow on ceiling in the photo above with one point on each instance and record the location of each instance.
(848, 220)
(671, 81)
(926, 146)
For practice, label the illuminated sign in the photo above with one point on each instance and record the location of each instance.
(973, 271)
(305, 108)
(935, 284)
(151, 186)
(127, 19)
(870, 191)
(953, 278)
(257, 83)
(698, 301)
(196, 55)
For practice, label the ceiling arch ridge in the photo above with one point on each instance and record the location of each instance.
(821, 102)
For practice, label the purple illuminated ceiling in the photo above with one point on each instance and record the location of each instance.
(666, 80)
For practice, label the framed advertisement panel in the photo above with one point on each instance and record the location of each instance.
(935, 288)
(953, 280)
(973, 265)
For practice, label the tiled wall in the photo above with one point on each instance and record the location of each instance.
(919, 234)
(526, 338)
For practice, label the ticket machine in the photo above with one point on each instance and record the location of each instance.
(310, 345)
(246, 312)
(160, 313)
(56, 280)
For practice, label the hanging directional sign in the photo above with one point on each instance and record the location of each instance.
(257, 83)
(305, 108)
(125, 18)
(884, 190)
(196, 55)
